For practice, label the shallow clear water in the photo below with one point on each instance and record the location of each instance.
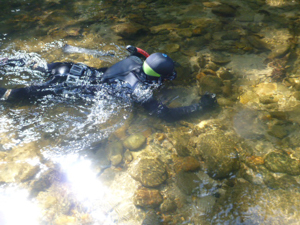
(58, 155)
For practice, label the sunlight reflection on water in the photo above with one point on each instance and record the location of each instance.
(85, 185)
(15, 208)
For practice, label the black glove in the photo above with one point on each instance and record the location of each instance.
(207, 101)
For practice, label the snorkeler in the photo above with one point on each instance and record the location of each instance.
(133, 78)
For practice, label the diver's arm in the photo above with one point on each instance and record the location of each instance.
(207, 102)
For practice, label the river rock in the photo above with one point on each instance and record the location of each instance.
(146, 197)
(278, 131)
(162, 27)
(281, 162)
(115, 152)
(224, 73)
(127, 30)
(150, 172)
(187, 182)
(152, 218)
(168, 205)
(181, 144)
(209, 83)
(170, 48)
(246, 203)
(258, 43)
(231, 35)
(220, 58)
(224, 10)
(188, 163)
(219, 154)
(134, 141)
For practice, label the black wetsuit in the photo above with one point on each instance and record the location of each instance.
(124, 79)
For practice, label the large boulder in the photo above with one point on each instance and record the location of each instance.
(219, 154)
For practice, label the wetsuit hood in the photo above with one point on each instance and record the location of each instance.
(159, 65)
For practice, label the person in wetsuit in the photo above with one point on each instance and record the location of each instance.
(133, 79)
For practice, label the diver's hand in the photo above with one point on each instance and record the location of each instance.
(207, 101)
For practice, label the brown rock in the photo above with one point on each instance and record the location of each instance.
(212, 84)
(150, 172)
(127, 29)
(188, 163)
(224, 10)
(146, 197)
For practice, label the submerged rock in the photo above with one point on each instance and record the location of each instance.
(224, 10)
(252, 204)
(127, 30)
(146, 197)
(281, 162)
(188, 163)
(219, 154)
(181, 144)
(134, 142)
(150, 172)
(115, 152)
(151, 218)
(209, 83)
(168, 205)
(187, 182)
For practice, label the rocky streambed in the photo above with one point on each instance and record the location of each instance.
(101, 163)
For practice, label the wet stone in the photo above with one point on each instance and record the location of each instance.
(231, 35)
(285, 182)
(219, 154)
(188, 163)
(168, 205)
(170, 48)
(152, 218)
(150, 172)
(128, 156)
(279, 51)
(224, 74)
(224, 10)
(251, 204)
(115, 152)
(181, 145)
(258, 43)
(281, 162)
(146, 197)
(134, 142)
(268, 99)
(278, 131)
(187, 182)
(246, 16)
(127, 30)
(209, 83)
(220, 58)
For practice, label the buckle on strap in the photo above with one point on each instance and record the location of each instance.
(72, 79)
(77, 69)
